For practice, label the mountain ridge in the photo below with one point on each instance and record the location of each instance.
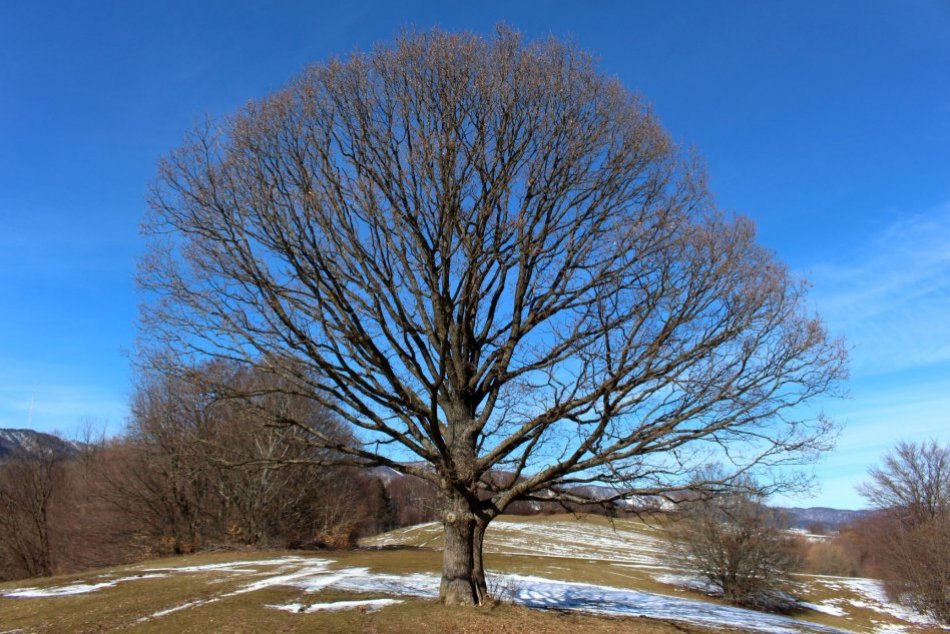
(25, 441)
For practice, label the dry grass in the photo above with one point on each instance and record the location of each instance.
(122, 606)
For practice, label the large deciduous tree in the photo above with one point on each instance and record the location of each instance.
(490, 260)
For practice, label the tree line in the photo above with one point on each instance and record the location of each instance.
(194, 470)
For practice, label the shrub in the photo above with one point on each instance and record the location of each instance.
(738, 546)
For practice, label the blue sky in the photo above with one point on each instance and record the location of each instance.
(828, 123)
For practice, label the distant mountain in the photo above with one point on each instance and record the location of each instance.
(829, 518)
(14, 441)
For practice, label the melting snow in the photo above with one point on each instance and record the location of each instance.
(75, 588)
(543, 593)
(315, 574)
(371, 605)
(686, 581)
(60, 591)
(177, 608)
(871, 596)
(621, 547)
(827, 607)
(567, 539)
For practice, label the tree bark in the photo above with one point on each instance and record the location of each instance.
(458, 585)
(463, 567)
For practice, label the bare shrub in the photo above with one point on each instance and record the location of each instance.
(738, 546)
(207, 462)
(829, 558)
(502, 588)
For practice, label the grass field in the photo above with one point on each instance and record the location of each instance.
(591, 575)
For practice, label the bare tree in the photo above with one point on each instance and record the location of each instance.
(267, 473)
(737, 545)
(912, 533)
(914, 482)
(199, 465)
(53, 516)
(30, 482)
(163, 479)
(484, 255)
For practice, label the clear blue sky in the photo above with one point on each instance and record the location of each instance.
(826, 122)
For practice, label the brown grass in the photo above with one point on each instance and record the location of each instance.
(120, 607)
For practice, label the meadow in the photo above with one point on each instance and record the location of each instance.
(551, 573)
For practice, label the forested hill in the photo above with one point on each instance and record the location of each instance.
(14, 441)
(820, 516)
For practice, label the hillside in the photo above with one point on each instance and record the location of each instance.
(828, 518)
(14, 441)
(595, 576)
(621, 559)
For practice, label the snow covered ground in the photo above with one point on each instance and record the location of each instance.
(630, 544)
(610, 550)
(571, 539)
(313, 574)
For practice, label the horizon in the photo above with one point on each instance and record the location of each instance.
(829, 127)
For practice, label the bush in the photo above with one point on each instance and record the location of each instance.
(829, 558)
(738, 546)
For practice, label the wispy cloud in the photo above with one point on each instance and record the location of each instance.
(891, 297)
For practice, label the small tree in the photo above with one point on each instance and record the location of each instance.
(912, 493)
(30, 483)
(486, 256)
(738, 546)
(198, 463)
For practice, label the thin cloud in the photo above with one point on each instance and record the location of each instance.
(891, 297)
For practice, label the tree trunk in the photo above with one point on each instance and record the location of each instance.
(458, 560)
(463, 567)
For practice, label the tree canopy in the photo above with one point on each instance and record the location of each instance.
(490, 260)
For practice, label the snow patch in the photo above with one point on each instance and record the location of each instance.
(537, 592)
(686, 581)
(370, 605)
(825, 607)
(571, 540)
(177, 608)
(872, 596)
(74, 588)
